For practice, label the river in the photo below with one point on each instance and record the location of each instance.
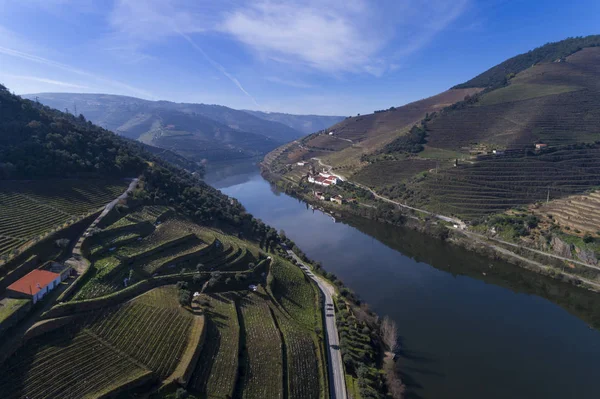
(471, 328)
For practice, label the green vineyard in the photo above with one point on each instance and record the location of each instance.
(264, 364)
(217, 369)
(495, 184)
(144, 338)
(30, 209)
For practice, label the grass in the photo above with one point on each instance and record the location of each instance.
(295, 293)
(10, 306)
(263, 371)
(216, 371)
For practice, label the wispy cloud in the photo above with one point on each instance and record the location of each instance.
(68, 68)
(219, 67)
(331, 36)
(48, 81)
(291, 83)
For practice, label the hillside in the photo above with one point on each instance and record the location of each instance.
(305, 124)
(470, 152)
(197, 131)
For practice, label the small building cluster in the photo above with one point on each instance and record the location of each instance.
(323, 179)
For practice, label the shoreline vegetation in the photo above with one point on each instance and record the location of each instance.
(527, 258)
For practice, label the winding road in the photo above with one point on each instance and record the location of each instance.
(337, 379)
(382, 198)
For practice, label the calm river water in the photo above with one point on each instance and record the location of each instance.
(470, 328)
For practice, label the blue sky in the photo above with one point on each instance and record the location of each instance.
(302, 56)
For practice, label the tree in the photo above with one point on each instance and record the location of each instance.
(185, 297)
(389, 334)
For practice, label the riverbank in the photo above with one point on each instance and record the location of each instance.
(465, 321)
(384, 212)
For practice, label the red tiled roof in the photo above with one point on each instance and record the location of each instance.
(29, 283)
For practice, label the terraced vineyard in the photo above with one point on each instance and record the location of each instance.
(146, 337)
(304, 362)
(578, 212)
(153, 331)
(145, 214)
(557, 103)
(264, 363)
(174, 246)
(66, 365)
(395, 171)
(217, 369)
(28, 209)
(495, 184)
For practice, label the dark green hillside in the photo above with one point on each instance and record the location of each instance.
(38, 142)
(497, 76)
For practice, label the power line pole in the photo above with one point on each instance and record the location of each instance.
(548, 197)
(75, 108)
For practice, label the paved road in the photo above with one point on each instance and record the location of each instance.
(337, 380)
(107, 208)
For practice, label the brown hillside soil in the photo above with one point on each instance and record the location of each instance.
(556, 103)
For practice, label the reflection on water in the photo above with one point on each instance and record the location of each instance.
(471, 327)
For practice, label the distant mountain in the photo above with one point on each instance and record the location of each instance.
(196, 131)
(306, 124)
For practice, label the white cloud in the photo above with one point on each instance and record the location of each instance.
(340, 36)
(327, 36)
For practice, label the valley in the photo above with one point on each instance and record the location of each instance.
(445, 248)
